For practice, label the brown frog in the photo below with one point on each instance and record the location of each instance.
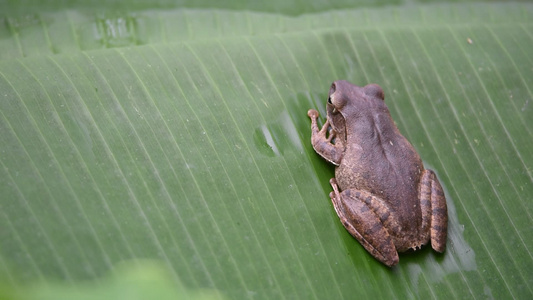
(381, 192)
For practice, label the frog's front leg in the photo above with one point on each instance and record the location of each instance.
(358, 213)
(322, 143)
(434, 210)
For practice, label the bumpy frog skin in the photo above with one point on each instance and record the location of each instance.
(381, 192)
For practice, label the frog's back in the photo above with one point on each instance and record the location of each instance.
(382, 162)
(398, 168)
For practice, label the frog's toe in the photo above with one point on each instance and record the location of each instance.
(333, 182)
(312, 113)
(335, 187)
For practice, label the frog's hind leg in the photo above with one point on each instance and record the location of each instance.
(434, 210)
(355, 213)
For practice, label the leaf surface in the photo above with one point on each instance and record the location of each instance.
(181, 136)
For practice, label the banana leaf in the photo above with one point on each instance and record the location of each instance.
(163, 148)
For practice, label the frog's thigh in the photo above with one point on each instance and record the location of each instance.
(363, 223)
(434, 210)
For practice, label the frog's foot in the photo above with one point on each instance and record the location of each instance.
(315, 131)
(326, 128)
(362, 223)
(322, 142)
(335, 195)
(434, 210)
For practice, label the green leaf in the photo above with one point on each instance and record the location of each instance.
(181, 136)
(139, 280)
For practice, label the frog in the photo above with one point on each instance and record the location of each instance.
(382, 194)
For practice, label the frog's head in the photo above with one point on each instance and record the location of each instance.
(347, 100)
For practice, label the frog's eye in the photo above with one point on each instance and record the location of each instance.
(374, 90)
(333, 88)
